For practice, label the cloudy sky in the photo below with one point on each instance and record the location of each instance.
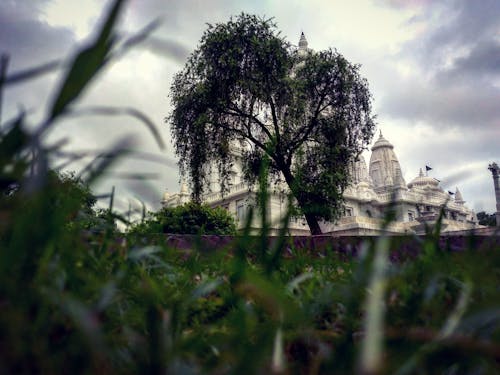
(433, 69)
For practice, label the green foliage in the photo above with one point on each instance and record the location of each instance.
(486, 219)
(189, 218)
(244, 86)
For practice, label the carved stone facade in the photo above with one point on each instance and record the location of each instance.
(373, 192)
(415, 205)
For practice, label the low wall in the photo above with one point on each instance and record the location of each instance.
(401, 247)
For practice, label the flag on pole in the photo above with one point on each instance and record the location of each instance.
(427, 168)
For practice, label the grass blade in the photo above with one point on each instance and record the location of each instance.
(86, 64)
(372, 345)
(31, 73)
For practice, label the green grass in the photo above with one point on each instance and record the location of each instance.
(92, 304)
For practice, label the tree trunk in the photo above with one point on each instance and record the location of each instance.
(311, 219)
(313, 224)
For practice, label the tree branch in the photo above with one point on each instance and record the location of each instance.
(239, 112)
(312, 124)
(275, 121)
(248, 135)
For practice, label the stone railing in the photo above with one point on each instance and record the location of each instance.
(385, 197)
(432, 200)
(372, 222)
(242, 187)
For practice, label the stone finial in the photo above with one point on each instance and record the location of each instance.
(303, 41)
(458, 197)
(421, 173)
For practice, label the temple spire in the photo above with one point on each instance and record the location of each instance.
(458, 197)
(303, 44)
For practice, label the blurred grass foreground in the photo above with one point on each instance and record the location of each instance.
(78, 296)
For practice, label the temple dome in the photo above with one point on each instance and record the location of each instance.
(382, 142)
(385, 171)
(422, 181)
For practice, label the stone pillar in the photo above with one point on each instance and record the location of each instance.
(493, 167)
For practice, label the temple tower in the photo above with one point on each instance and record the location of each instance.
(493, 167)
(385, 171)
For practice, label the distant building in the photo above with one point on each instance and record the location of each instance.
(372, 192)
(177, 199)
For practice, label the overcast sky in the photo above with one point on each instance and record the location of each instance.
(433, 69)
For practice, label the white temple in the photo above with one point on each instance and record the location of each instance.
(373, 190)
(177, 199)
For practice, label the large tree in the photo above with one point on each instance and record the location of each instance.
(308, 113)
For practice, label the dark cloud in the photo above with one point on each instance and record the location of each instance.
(453, 27)
(458, 23)
(183, 22)
(169, 48)
(179, 15)
(450, 22)
(22, 9)
(29, 42)
(27, 39)
(458, 148)
(483, 60)
(457, 60)
(451, 104)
